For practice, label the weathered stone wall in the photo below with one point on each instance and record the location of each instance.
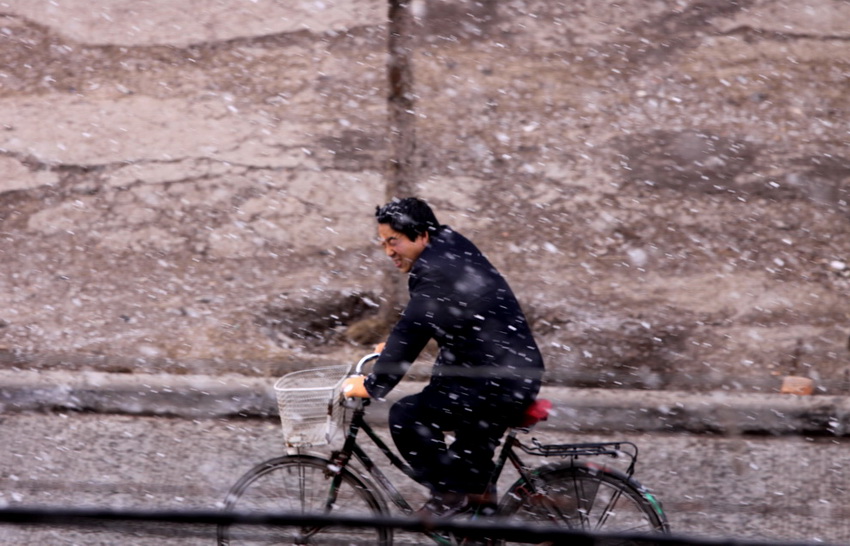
(665, 184)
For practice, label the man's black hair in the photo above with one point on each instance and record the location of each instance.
(411, 216)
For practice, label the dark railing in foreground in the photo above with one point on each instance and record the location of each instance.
(513, 532)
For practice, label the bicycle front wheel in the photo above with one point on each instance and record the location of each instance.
(586, 497)
(302, 484)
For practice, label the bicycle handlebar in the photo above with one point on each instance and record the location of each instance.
(358, 369)
(356, 402)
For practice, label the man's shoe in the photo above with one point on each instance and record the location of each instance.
(444, 505)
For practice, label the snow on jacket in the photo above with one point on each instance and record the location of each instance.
(460, 300)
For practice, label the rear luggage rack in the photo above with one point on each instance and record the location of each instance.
(616, 450)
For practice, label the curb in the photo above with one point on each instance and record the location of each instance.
(574, 410)
(189, 396)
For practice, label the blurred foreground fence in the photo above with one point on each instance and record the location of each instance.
(132, 526)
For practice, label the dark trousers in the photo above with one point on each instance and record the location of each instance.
(418, 424)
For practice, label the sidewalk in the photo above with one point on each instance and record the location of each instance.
(576, 410)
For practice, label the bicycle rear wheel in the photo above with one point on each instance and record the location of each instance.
(301, 484)
(586, 497)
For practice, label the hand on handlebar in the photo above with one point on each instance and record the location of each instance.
(353, 387)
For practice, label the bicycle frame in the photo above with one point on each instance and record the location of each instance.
(350, 447)
(509, 452)
(340, 458)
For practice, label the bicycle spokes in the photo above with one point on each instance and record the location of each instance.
(584, 492)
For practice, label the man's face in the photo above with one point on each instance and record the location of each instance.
(400, 248)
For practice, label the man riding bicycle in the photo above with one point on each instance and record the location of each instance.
(488, 369)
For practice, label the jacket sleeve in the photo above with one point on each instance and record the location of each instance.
(406, 341)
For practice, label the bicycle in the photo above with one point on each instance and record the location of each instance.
(573, 492)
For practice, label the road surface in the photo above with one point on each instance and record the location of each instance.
(755, 487)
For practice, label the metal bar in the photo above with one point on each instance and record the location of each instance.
(502, 528)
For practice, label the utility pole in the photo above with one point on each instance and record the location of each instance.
(400, 174)
(401, 103)
(401, 169)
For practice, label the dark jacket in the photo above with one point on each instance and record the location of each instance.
(458, 298)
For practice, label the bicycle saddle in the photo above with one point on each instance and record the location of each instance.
(534, 413)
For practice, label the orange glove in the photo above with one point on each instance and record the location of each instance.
(379, 348)
(353, 387)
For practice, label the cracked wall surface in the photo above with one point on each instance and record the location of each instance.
(665, 184)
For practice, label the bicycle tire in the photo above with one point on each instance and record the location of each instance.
(586, 497)
(301, 484)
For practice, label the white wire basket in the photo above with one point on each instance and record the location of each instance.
(307, 402)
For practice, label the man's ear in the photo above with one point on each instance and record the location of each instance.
(427, 236)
